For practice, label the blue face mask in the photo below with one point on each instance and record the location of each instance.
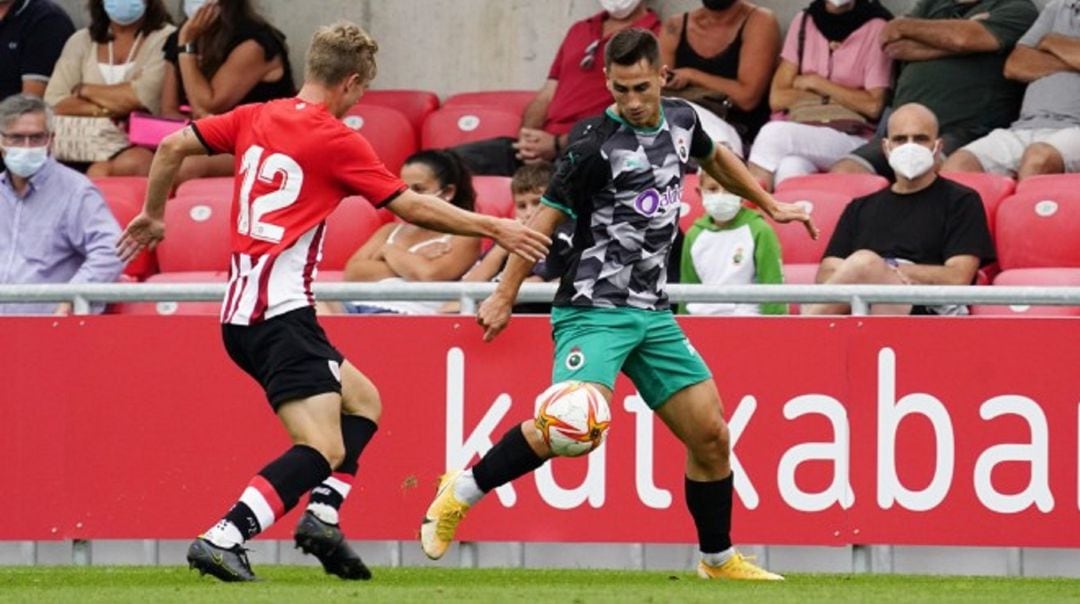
(125, 12)
(192, 6)
(25, 161)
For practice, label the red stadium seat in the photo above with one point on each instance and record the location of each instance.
(347, 228)
(799, 274)
(218, 187)
(125, 204)
(992, 188)
(388, 131)
(198, 235)
(825, 208)
(510, 100)
(1050, 183)
(1039, 230)
(493, 196)
(459, 124)
(176, 308)
(415, 105)
(691, 208)
(1053, 277)
(852, 185)
(132, 186)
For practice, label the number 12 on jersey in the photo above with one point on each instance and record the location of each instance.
(249, 220)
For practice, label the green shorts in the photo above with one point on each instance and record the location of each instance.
(594, 344)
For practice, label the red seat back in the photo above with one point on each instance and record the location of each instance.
(130, 186)
(347, 228)
(514, 101)
(1039, 230)
(852, 185)
(459, 124)
(415, 105)
(992, 189)
(218, 187)
(197, 235)
(1052, 277)
(388, 130)
(825, 207)
(1049, 183)
(124, 204)
(493, 196)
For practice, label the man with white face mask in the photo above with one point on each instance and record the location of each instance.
(54, 225)
(923, 230)
(729, 245)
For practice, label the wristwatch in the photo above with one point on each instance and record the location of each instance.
(188, 48)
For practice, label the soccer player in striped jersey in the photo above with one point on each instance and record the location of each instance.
(295, 161)
(621, 179)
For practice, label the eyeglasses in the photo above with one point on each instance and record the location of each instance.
(37, 139)
(589, 58)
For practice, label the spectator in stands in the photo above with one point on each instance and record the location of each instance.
(830, 90)
(110, 69)
(32, 33)
(953, 53)
(730, 245)
(405, 252)
(575, 89)
(527, 186)
(1046, 138)
(922, 230)
(56, 226)
(722, 57)
(225, 54)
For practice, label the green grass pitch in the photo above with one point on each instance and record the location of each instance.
(430, 586)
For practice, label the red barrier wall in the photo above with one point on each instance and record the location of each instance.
(907, 431)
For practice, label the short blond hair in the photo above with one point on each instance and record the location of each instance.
(337, 51)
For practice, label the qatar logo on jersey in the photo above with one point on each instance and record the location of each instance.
(651, 202)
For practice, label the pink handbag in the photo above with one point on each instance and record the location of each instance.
(147, 130)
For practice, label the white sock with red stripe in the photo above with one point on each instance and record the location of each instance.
(326, 499)
(270, 495)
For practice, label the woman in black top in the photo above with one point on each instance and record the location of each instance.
(225, 54)
(728, 48)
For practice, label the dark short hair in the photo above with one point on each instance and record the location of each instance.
(630, 46)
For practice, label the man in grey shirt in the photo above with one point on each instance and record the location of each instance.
(1046, 138)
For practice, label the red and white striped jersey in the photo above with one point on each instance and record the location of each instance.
(295, 162)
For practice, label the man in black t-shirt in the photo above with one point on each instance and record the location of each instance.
(923, 230)
(32, 34)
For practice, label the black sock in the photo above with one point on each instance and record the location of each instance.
(357, 432)
(510, 458)
(710, 505)
(276, 489)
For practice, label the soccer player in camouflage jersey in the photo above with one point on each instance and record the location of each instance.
(621, 178)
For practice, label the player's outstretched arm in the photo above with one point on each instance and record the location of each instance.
(433, 213)
(731, 173)
(147, 229)
(494, 313)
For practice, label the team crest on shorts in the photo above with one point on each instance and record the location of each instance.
(575, 360)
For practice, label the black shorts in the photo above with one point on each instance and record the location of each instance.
(288, 355)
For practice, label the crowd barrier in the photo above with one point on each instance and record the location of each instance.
(854, 430)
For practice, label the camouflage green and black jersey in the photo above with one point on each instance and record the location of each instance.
(624, 186)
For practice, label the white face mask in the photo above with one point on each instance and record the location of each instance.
(619, 9)
(911, 160)
(192, 6)
(25, 161)
(721, 207)
(840, 3)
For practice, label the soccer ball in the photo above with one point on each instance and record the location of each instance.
(572, 418)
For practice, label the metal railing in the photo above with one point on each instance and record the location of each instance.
(860, 297)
